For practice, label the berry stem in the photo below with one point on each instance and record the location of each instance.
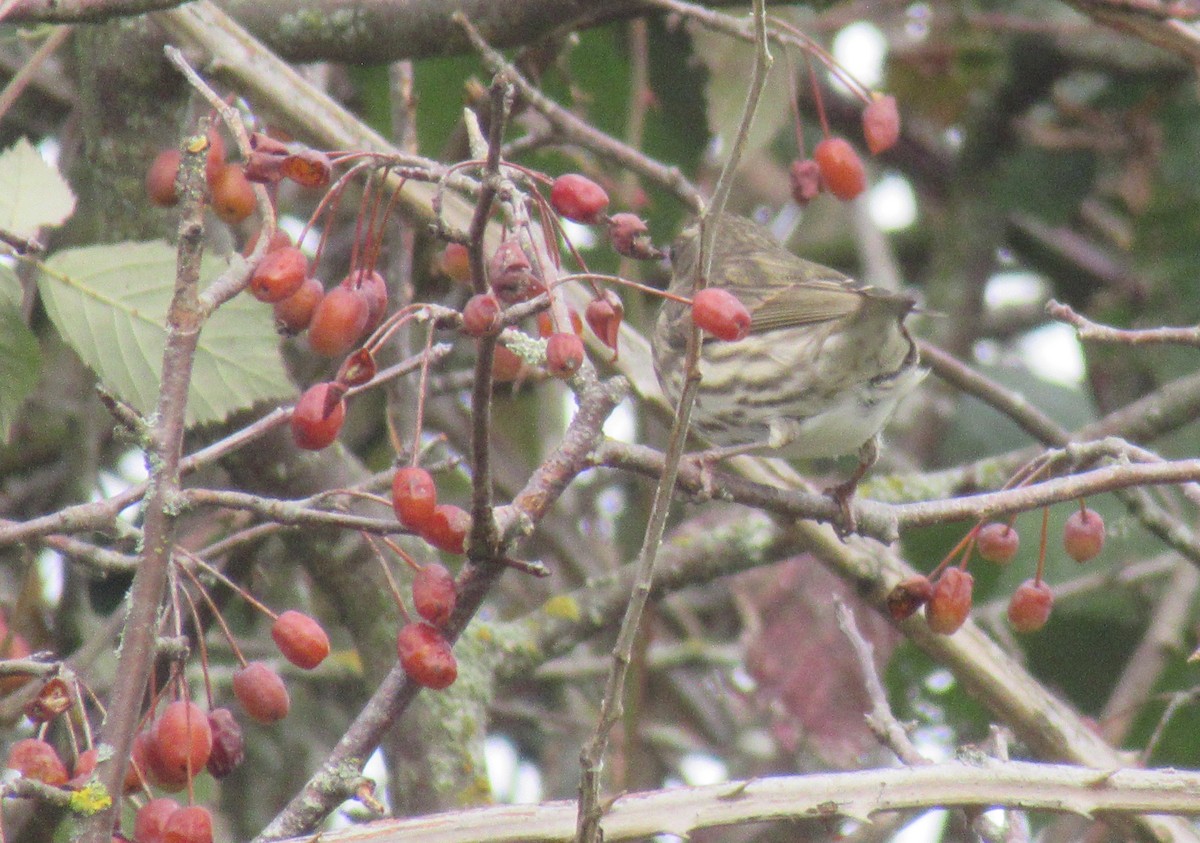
(1041, 563)
(421, 388)
(393, 588)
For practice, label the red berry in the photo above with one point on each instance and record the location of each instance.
(183, 738)
(805, 178)
(841, 168)
(307, 168)
(160, 178)
(426, 656)
(301, 639)
(318, 415)
(630, 237)
(1083, 535)
(511, 275)
(263, 167)
(481, 315)
(604, 315)
(38, 760)
(950, 602)
(455, 263)
(357, 369)
(338, 321)
(719, 312)
(139, 764)
(150, 821)
(53, 698)
(229, 747)
(434, 593)
(279, 240)
(261, 693)
(908, 596)
(85, 765)
(215, 159)
(192, 824)
(997, 542)
(507, 366)
(279, 274)
(1029, 608)
(881, 124)
(414, 497)
(156, 770)
(373, 288)
(447, 528)
(578, 198)
(293, 314)
(564, 354)
(232, 194)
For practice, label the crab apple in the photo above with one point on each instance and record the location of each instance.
(909, 595)
(232, 194)
(950, 602)
(604, 315)
(279, 275)
(426, 656)
(997, 542)
(455, 263)
(1083, 535)
(280, 239)
(630, 237)
(720, 313)
(318, 415)
(507, 366)
(53, 698)
(338, 321)
(183, 738)
(578, 198)
(160, 178)
(308, 168)
(373, 288)
(1029, 608)
(511, 275)
(215, 159)
(38, 760)
(414, 497)
(84, 766)
(481, 315)
(564, 354)
(447, 528)
(190, 824)
(804, 176)
(881, 124)
(841, 169)
(434, 593)
(261, 693)
(229, 747)
(149, 823)
(300, 638)
(295, 313)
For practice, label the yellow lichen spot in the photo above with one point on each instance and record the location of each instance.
(197, 144)
(564, 607)
(91, 798)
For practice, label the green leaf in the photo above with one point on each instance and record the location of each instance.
(20, 355)
(110, 304)
(32, 193)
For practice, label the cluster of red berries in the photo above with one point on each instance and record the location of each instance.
(424, 652)
(835, 166)
(180, 742)
(414, 499)
(947, 600)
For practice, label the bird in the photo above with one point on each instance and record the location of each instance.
(823, 367)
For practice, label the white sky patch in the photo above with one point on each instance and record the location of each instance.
(861, 49)
(49, 149)
(513, 779)
(583, 236)
(926, 828)
(621, 425)
(293, 227)
(892, 203)
(700, 768)
(939, 681)
(1014, 288)
(52, 574)
(1052, 352)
